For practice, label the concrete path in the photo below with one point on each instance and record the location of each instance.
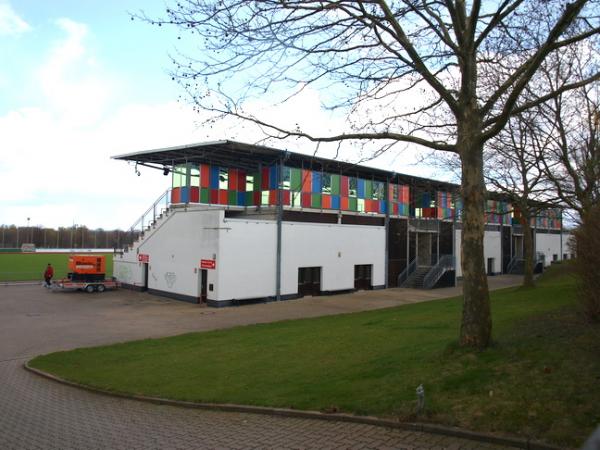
(37, 413)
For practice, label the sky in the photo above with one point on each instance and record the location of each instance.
(81, 82)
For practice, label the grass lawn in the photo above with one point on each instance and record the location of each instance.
(541, 379)
(31, 266)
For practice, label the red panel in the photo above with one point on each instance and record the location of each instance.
(344, 189)
(264, 179)
(232, 180)
(396, 209)
(273, 197)
(306, 182)
(214, 196)
(257, 197)
(344, 202)
(241, 184)
(286, 197)
(305, 201)
(369, 207)
(326, 201)
(176, 195)
(194, 194)
(223, 197)
(204, 175)
(429, 212)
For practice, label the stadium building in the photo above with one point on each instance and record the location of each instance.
(246, 223)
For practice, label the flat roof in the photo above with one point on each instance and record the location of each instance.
(251, 157)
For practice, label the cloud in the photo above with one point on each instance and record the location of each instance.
(10, 22)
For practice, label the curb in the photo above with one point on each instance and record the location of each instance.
(315, 415)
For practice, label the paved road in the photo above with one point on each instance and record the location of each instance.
(36, 413)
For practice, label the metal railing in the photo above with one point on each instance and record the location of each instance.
(412, 266)
(512, 263)
(445, 263)
(146, 220)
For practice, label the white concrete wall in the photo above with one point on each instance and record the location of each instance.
(492, 248)
(245, 253)
(549, 245)
(248, 252)
(175, 249)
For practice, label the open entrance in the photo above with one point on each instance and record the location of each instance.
(309, 281)
(144, 276)
(202, 283)
(518, 246)
(424, 242)
(362, 276)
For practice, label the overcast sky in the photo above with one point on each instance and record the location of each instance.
(81, 82)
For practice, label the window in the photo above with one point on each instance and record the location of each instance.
(195, 177)
(223, 179)
(352, 187)
(286, 175)
(377, 190)
(326, 180)
(249, 183)
(179, 176)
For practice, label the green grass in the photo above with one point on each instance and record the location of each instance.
(540, 379)
(31, 266)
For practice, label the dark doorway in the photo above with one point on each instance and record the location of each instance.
(203, 283)
(362, 276)
(144, 276)
(309, 281)
(490, 266)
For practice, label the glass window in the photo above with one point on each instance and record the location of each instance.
(223, 179)
(265, 198)
(352, 187)
(249, 183)
(195, 177)
(179, 176)
(286, 176)
(377, 190)
(394, 193)
(360, 205)
(326, 180)
(296, 198)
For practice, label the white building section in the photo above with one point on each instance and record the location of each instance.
(243, 251)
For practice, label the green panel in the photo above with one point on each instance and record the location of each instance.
(257, 181)
(335, 184)
(249, 198)
(296, 180)
(316, 201)
(232, 198)
(352, 203)
(368, 188)
(204, 196)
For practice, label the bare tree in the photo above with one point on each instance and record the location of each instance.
(367, 57)
(514, 167)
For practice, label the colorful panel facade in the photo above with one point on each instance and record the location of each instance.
(498, 212)
(301, 188)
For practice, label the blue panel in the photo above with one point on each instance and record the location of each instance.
(241, 199)
(360, 188)
(185, 196)
(382, 206)
(273, 177)
(316, 182)
(214, 177)
(335, 202)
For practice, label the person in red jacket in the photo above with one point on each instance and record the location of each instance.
(48, 274)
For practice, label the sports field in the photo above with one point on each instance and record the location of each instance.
(31, 266)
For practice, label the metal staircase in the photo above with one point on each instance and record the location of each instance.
(150, 219)
(415, 280)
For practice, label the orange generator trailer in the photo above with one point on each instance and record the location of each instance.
(87, 273)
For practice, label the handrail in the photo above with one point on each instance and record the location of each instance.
(412, 266)
(445, 263)
(511, 264)
(149, 217)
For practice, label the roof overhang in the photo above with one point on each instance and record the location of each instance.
(252, 157)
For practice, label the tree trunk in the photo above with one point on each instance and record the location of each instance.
(528, 244)
(476, 326)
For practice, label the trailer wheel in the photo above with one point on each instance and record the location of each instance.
(100, 288)
(89, 289)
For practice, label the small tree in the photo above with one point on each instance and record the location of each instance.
(367, 56)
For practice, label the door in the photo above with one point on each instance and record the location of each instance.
(490, 266)
(309, 281)
(424, 249)
(202, 284)
(144, 276)
(362, 276)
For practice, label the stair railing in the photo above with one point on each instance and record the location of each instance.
(146, 220)
(512, 263)
(412, 266)
(445, 263)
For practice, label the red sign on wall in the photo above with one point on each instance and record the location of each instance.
(142, 257)
(208, 264)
